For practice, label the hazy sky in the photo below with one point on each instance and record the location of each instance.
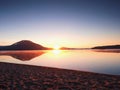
(71, 23)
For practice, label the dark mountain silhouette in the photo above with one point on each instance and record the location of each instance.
(107, 47)
(23, 55)
(23, 45)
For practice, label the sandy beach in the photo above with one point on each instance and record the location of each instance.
(27, 77)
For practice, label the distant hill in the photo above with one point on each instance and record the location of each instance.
(23, 45)
(107, 47)
(66, 48)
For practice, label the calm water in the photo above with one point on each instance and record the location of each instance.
(107, 62)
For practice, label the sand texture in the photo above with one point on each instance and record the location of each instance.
(26, 77)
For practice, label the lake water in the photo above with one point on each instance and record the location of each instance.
(100, 61)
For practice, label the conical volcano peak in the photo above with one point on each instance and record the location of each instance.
(24, 42)
(24, 45)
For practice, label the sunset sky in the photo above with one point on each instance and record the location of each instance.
(69, 23)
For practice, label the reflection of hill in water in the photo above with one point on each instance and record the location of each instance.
(108, 50)
(23, 55)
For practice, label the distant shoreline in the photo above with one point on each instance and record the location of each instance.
(107, 47)
(29, 45)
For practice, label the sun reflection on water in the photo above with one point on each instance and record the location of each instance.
(56, 52)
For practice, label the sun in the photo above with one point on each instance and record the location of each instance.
(56, 47)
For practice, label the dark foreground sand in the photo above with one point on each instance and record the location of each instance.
(25, 77)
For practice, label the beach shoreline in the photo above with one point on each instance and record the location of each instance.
(28, 77)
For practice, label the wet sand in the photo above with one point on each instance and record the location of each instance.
(26, 77)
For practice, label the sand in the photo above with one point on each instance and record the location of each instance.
(26, 77)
